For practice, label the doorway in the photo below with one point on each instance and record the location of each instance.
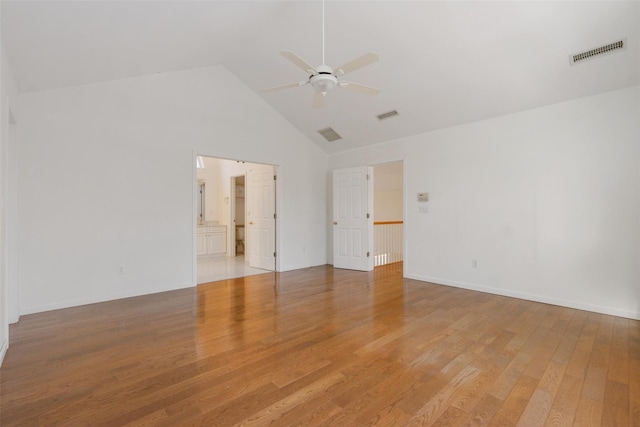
(388, 213)
(368, 224)
(237, 231)
(238, 246)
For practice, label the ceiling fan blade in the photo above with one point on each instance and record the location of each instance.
(357, 87)
(296, 60)
(356, 64)
(288, 85)
(318, 100)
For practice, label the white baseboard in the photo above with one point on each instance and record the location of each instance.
(629, 314)
(96, 299)
(4, 346)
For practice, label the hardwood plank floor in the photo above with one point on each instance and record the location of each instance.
(321, 347)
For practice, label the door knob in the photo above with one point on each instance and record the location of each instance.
(250, 222)
(335, 222)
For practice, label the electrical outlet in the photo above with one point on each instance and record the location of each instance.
(474, 263)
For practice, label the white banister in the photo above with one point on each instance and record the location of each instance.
(387, 242)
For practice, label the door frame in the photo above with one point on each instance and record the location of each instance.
(194, 222)
(405, 202)
(232, 216)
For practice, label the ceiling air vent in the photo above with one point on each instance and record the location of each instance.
(329, 134)
(598, 51)
(387, 115)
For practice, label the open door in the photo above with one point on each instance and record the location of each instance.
(261, 217)
(353, 218)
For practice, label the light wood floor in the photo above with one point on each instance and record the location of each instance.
(322, 347)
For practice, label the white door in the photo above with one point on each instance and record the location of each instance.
(261, 222)
(353, 218)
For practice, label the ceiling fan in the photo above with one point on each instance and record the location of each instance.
(323, 78)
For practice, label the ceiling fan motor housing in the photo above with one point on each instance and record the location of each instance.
(324, 80)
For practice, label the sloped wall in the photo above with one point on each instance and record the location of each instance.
(107, 180)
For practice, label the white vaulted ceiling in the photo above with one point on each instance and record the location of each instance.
(443, 63)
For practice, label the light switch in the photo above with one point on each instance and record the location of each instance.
(423, 197)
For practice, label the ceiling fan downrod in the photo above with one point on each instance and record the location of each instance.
(323, 32)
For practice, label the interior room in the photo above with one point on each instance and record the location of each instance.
(492, 146)
(222, 248)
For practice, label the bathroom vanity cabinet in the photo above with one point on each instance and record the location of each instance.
(212, 240)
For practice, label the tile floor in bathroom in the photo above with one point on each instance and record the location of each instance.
(211, 269)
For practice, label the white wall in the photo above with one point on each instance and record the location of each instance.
(8, 201)
(387, 205)
(4, 304)
(547, 201)
(387, 192)
(107, 179)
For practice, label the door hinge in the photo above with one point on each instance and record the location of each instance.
(368, 254)
(274, 254)
(367, 216)
(275, 177)
(275, 216)
(367, 177)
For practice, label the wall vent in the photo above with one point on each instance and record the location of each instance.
(598, 51)
(387, 115)
(329, 134)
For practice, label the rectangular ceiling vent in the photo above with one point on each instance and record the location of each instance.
(598, 51)
(329, 134)
(387, 115)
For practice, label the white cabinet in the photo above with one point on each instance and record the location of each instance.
(212, 240)
(202, 243)
(217, 242)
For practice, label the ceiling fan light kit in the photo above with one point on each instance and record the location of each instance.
(323, 79)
